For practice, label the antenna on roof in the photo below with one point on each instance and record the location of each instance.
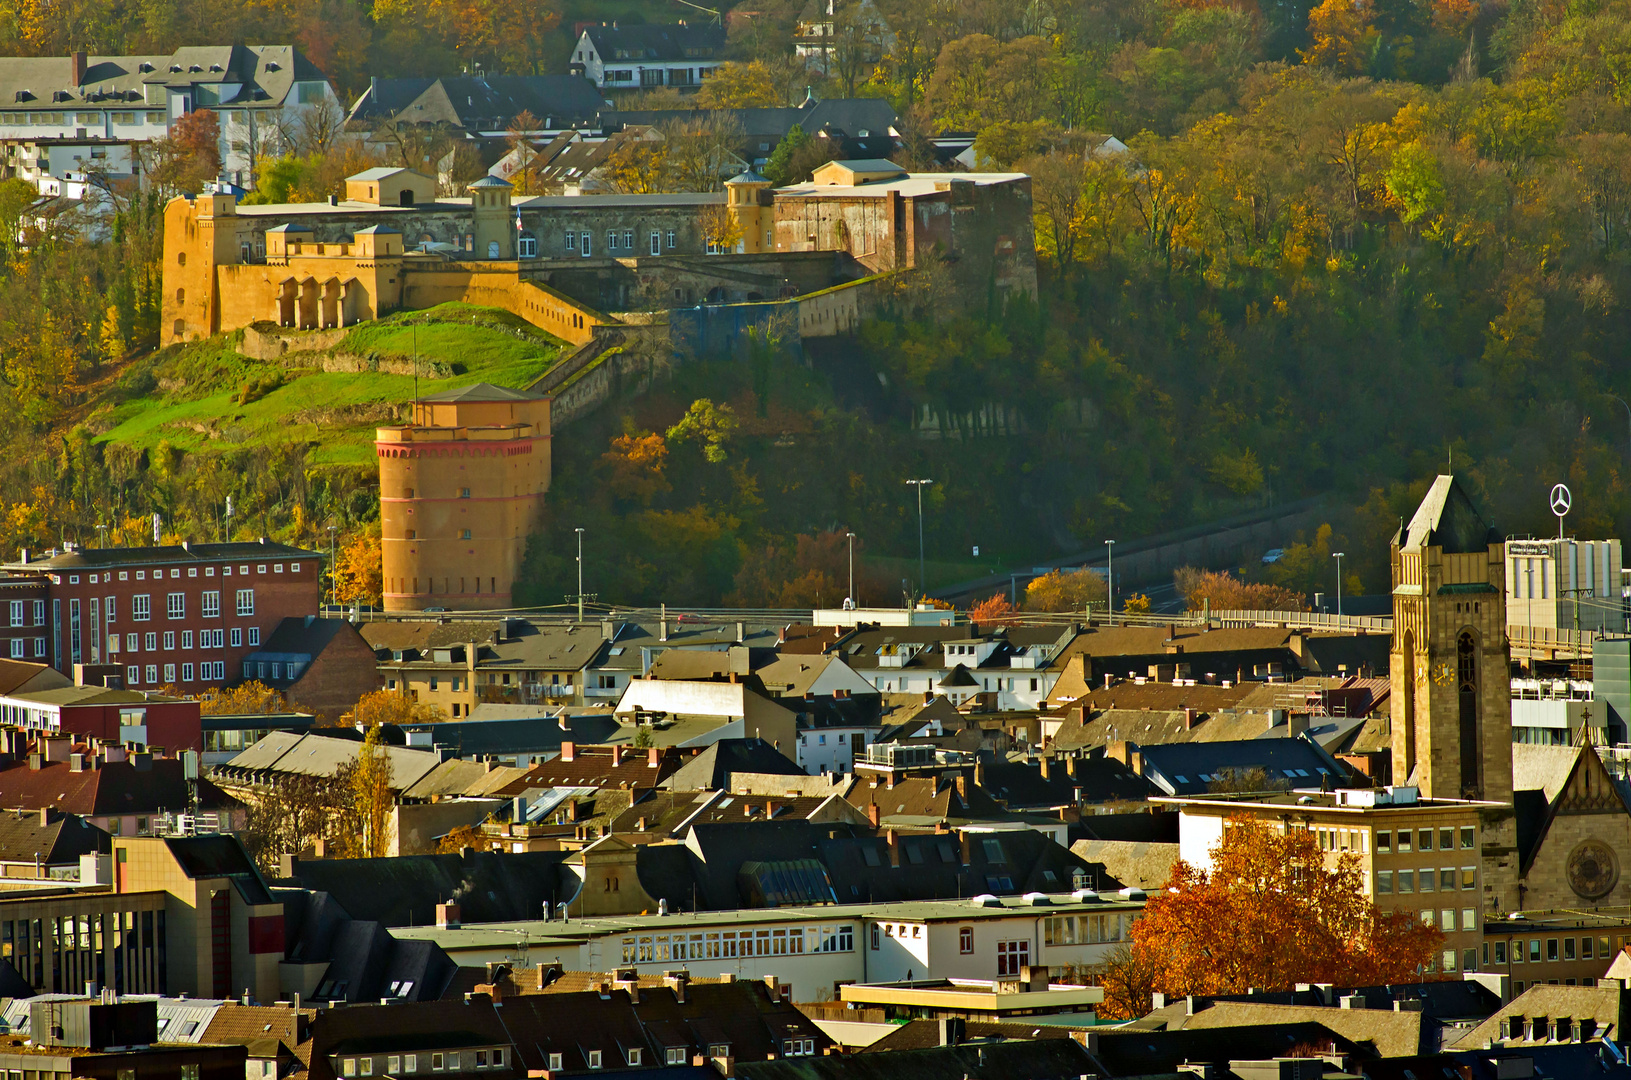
(699, 7)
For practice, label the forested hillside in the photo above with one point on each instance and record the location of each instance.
(1344, 247)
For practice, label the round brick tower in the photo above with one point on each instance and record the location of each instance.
(460, 488)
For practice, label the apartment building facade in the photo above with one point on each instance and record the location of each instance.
(183, 616)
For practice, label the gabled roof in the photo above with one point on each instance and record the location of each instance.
(404, 891)
(484, 391)
(1584, 788)
(1447, 519)
(655, 41)
(711, 769)
(113, 788)
(266, 75)
(61, 842)
(385, 172)
(1391, 1033)
(1192, 768)
(487, 102)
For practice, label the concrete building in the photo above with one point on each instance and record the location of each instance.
(460, 489)
(1565, 585)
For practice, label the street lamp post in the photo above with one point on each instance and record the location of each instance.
(333, 585)
(922, 577)
(1110, 582)
(1337, 555)
(580, 573)
(851, 538)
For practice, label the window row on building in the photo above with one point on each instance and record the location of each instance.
(452, 1061)
(175, 573)
(729, 944)
(207, 639)
(20, 608)
(1086, 929)
(208, 671)
(1426, 880)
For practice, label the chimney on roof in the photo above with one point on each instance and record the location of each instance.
(568, 751)
(617, 755)
(894, 848)
(874, 814)
(962, 788)
(770, 808)
(45, 815)
(654, 757)
(677, 982)
(1045, 765)
(953, 1029)
(447, 915)
(80, 67)
(1191, 718)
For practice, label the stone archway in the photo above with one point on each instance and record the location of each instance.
(287, 291)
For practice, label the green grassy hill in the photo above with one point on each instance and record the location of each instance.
(205, 394)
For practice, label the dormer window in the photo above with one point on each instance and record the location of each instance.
(144, 66)
(175, 67)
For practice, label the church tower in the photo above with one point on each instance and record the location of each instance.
(1451, 665)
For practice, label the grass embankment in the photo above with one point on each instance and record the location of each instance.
(208, 393)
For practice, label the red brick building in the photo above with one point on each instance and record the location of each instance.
(25, 632)
(183, 616)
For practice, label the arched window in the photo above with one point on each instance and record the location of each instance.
(1408, 713)
(1466, 679)
(181, 258)
(181, 296)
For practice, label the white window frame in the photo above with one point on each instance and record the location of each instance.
(141, 607)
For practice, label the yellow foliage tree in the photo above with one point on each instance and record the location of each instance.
(739, 86)
(1065, 590)
(250, 698)
(389, 707)
(1344, 34)
(359, 577)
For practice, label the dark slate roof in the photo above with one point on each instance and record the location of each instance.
(1188, 768)
(655, 41)
(407, 1026)
(1447, 518)
(704, 874)
(92, 558)
(518, 735)
(846, 117)
(484, 391)
(223, 857)
(365, 963)
(924, 1034)
(1157, 828)
(59, 843)
(1098, 778)
(1132, 1052)
(711, 769)
(1043, 1059)
(404, 891)
(1450, 1000)
(478, 102)
(266, 74)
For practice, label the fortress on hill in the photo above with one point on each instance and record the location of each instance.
(563, 262)
(462, 484)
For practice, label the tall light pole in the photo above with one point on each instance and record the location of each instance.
(922, 577)
(1110, 581)
(580, 573)
(1337, 555)
(333, 585)
(851, 538)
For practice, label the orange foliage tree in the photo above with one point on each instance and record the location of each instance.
(250, 698)
(359, 568)
(1225, 592)
(389, 707)
(1273, 912)
(994, 610)
(636, 467)
(1343, 34)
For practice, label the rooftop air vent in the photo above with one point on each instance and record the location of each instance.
(1084, 895)
(1131, 893)
(1037, 899)
(986, 899)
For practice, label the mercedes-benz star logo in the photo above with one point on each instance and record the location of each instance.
(1561, 500)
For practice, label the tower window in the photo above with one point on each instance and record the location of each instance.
(1466, 656)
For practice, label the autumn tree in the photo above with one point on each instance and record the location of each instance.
(289, 817)
(1225, 592)
(1272, 911)
(1343, 34)
(359, 568)
(372, 796)
(734, 85)
(711, 426)
(523, 129)
(389, 707)
(188, 157)
(460, 837)
(812, 571)
(637, 166)
(635, 467)
(1065, 590)
(994, 610)
(247, 698)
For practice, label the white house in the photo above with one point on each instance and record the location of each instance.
(647, 56)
